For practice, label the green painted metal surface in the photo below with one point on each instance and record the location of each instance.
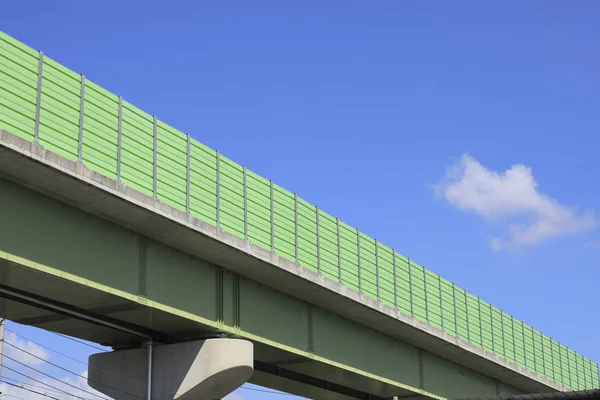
(102, 256)
(120, 141)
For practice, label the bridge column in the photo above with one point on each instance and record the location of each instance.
(200, 370)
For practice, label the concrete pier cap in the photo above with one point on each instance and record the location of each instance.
(199, 370)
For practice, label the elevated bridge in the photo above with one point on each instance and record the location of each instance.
(119, 229)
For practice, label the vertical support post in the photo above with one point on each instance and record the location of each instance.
(155, 169)
(480, 324)
(318, 241)
(339, 250)
(410, 289)
(377, 268)
(245, 204)
(441, 301)
(552, 360)
(218, 216)
(502, 325)
(81, 108)
(454, 305)
(576, 370)
(467, 314)
(358, 254)
(188, 167)
(524, 345)
(512, 322)
(38, 99)
(543, 354)
(120, 138)
(535, 361)
(272, 206)
(493, 334)
(395, 279)
(426, 299)
(560, 364)
(568, 362)
(296, 225)
(149, 377)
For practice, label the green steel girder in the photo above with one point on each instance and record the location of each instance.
(53, 249)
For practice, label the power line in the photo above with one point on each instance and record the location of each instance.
(71, 372)
(80, 342)
(74, 359)
(81, 362)
(4, 379)
(43, 383)
(52, 377)
(14, 397)
(29, 390)
(46, 347)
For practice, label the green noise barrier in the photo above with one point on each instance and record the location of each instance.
(44, 102)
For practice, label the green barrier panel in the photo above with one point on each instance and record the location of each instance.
(368, 266)
(171, 166)
(386, 275)
(462, 326)
(137, 153)
(231, 180)
(203, 183)
(259, 210)
(349, 256)
(417, 287)
(448, 310)
(284, 220)
(59, 110)
(328, 246)
(100, 130)
(18, 87)
(403, 290)
(473, 320)
(307, 235)
(434, 306)
(519, 343)
(42, 101)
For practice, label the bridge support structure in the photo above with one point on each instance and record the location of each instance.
(201, 370)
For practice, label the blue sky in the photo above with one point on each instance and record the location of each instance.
(460, 134)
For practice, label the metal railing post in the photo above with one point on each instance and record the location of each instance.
(38, 99)
(155, 166)
(218, 192)
(245, 203)
(119, 138)
(81, 112)
(188, 167)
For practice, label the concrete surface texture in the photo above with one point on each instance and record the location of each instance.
(198, 370)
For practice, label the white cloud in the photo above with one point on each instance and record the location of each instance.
(13, 344)
(512, 199)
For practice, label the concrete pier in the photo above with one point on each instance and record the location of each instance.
(200, 370)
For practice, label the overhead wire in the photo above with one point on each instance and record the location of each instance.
(43, 383)
(45, 347)
(52, 377)
(71, 372)
(74, 359)
(80, 341)
(5, 378)
(29, 390)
